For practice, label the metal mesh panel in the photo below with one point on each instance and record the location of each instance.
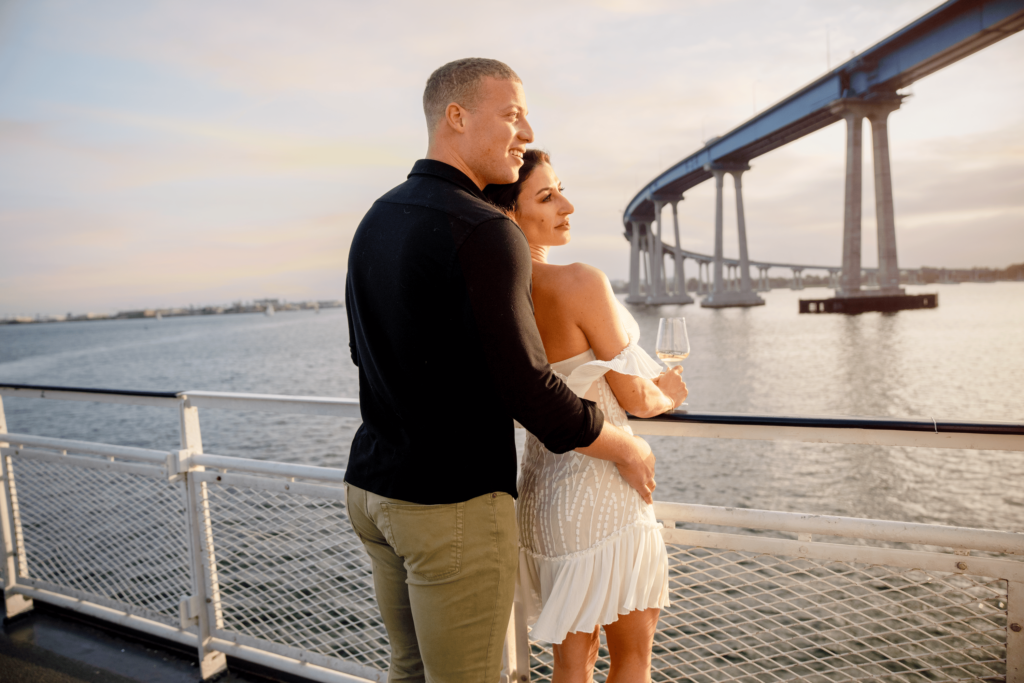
(117, 538)
(292, 571)
(739, 616)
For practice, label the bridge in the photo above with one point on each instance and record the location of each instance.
(865, 87)
(675, 288)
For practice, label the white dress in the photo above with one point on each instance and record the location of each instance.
(590, 547)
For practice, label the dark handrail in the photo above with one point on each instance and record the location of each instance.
(900, 424)
(83, 390)
(733, 419)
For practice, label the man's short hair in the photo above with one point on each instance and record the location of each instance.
(459, 82)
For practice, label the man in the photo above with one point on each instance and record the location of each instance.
(441, 327)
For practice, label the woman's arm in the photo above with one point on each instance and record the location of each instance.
(597, 316)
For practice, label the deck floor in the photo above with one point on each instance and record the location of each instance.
(50, 645)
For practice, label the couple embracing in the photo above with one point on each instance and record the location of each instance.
(459, 326)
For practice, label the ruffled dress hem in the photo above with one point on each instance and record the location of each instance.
(594, 587)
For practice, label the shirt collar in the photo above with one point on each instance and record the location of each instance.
(447, 172)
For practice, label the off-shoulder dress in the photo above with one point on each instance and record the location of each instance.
(590, 547)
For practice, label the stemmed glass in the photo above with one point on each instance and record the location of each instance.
(673, 345)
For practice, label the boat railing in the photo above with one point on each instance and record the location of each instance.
(256, 559)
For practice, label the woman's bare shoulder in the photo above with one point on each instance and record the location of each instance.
(580, 278)
(579, 285)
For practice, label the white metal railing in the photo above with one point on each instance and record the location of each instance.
(256, 559)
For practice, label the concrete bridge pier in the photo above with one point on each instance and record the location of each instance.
(634, 262)
(656, 290)
(704, 277)
(679, 296)
(850, 281)
(763, 283)
(888, 268)
(642, 263)
(876, 111)
(649, 256)
(720, 296)
(798, 278)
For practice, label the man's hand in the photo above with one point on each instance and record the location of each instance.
(631, 455)
(672, 385)
(639, 470)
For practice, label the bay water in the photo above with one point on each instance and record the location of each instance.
(963, 360)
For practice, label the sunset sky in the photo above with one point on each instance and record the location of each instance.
(168, 153)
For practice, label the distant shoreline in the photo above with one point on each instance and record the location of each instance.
(264, 306)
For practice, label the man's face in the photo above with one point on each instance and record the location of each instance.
(497, 132)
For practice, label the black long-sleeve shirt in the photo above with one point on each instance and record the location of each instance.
(441, 327)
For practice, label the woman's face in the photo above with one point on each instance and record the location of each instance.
(543, 211)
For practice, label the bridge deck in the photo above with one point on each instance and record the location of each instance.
(945, 35)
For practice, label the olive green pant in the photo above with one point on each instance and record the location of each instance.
(445, 579)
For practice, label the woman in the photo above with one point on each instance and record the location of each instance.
(591, 551)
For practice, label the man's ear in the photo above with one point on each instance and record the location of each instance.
(455, 118)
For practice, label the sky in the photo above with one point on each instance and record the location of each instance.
(176, 152)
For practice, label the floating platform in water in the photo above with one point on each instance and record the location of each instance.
(866, 304)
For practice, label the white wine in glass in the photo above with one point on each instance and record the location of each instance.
(673, 345)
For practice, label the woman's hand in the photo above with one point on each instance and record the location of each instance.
(672, 385)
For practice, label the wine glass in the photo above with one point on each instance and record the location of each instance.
(673, 345)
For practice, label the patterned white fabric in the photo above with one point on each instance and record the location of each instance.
(590, 548)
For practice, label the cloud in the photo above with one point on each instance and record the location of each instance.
(149, 269)
(239, 142)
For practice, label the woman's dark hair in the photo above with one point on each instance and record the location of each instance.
(506, 197)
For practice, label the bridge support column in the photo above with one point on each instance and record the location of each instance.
(645, 261)
(834, 279)
(656, 291)
(648, 248)
(740, 293)
(670, 283)
(679, 296)
(659, 253)
(634, 264)
(798, 278)
(741, 227)
(876, 111)
(888, 268)
(850, 280)
(718, 285)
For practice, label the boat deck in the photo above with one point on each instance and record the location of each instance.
(193, 559)
(52, 645)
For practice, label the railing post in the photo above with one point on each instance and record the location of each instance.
(13, 604)
(204, 592)
(1014, 632)
(516, 657)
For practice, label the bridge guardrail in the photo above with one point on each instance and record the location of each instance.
(256, 559)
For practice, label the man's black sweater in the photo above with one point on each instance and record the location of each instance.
(441, 327)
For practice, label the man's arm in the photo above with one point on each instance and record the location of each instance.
(348, 314)
(494, 260)
(496, 267)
